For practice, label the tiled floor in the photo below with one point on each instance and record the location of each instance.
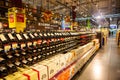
(104, 66)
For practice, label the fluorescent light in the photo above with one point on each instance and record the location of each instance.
(98, 17)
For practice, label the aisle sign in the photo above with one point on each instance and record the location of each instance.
(20, 17)
(16, 18)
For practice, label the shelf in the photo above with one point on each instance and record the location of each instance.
(3, 18)
(4, 7)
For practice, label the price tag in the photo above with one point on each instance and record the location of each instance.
(2, 37)
(25, 35)
(19, 37)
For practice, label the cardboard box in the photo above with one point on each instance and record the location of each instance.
(56, 60)
(63, 61)
(51, 67)
(16, 76)
(42, 72)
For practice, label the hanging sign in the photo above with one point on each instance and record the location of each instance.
(16, 18)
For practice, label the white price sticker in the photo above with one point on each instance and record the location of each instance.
(32, 35)
(18, 36)
(25, 35)
(35, 34)
(10, 36)
(2, 37)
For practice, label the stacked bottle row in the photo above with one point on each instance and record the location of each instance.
(28, 48)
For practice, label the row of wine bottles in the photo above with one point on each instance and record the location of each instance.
(28, 48)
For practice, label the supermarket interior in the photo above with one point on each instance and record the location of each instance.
(59, 39)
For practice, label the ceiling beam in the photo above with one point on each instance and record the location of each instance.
(63, 4)
(105, 16)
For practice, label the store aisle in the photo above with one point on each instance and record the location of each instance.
(104, 66)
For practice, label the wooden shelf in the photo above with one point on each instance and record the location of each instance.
(4, 7)
(3, 18)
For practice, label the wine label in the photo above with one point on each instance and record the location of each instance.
(17, 63)
(48, 34)
(29, 44)
(43, 48)
(52, 34)
(50, 52)
(35, 34)
(48, 41)
(44, 41)
(10, 36)
(24, 61)
(17, 54)
(29, 59)
(14, 45)
(25, 35)
(23, 53)
(2, 68)
(22, 46)
(35, 58)
(19, 37)
(39, 56)
(47, 47)
(45, 34)
(9, 56)
(39, 41)
(7, 47)
(32, 35)
(1, 49)
(39, 49)
(52, 39)
(34, 50)
(2, 37)
(1, 59)
(41, 34)
(47, 53)
(35, 43)
(51, 47)
(10, 65)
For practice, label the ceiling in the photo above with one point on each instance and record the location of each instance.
(84, 8)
